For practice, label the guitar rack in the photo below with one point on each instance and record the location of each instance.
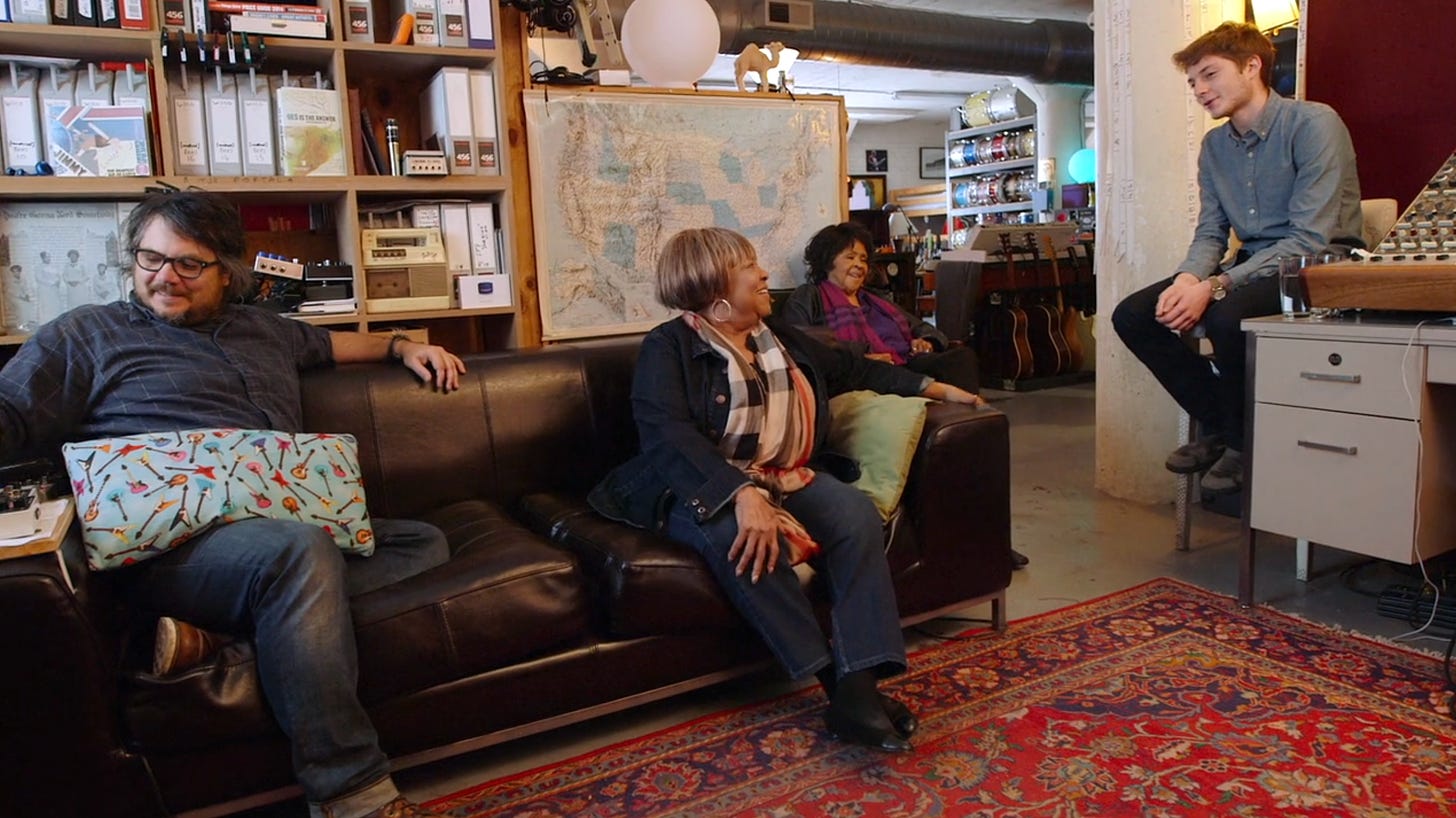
(1035, 282)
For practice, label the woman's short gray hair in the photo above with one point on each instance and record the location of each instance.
(692, 270)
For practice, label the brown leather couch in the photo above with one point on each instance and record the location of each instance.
(545, 615)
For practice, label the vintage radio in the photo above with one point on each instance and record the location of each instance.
(404, 269)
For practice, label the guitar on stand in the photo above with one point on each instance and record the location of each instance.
(1004, 344)
(1049, 351)
(1071, 331)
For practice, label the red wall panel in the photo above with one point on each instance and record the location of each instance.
(1389, 69)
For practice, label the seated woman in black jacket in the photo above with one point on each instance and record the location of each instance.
(839, 260)
(732, 411)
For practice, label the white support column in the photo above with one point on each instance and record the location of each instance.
(1058, 125)
(1148, 134)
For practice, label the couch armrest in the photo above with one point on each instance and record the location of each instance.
(58, 696)
(958, 498)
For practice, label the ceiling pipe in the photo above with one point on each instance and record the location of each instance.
(1046, 51)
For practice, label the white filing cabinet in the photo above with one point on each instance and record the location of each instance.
(1354, 436)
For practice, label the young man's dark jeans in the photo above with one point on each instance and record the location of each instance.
(1211, 393)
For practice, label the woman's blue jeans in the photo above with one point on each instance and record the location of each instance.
(865, 622)
(286, 586)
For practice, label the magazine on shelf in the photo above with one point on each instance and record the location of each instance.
(310, 132)
(99, 140)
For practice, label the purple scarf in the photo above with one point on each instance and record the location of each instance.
(849, 323)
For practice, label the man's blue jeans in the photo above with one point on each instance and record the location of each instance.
(286, 586)
(865, 621)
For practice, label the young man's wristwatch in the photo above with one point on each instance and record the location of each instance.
(1215, 282)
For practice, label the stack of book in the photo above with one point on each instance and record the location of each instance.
(298, 19)
(271, 19)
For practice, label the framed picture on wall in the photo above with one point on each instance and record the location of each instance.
(932, 163)
(866, 191)
(877, 161)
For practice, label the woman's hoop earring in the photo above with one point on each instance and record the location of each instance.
(713, 311)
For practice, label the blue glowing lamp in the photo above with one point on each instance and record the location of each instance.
(1082, 167)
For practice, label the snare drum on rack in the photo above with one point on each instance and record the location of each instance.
(977, 110)
(983, 149)
(961, 194)
(1026, 144)
(1001, 104)
(954, 155)
(999, 148)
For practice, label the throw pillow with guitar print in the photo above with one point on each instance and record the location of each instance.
(141, 495)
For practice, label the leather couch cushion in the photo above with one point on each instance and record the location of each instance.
(648, 584)
(505, 596)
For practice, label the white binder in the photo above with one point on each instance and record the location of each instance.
(55, 88)
(481, 218)
(255, 120)
(94, 86)
(455, 230)
(224, 134)
(451, 23)
(446, 118)
(189, 124)
(23, 144)
(483, 121)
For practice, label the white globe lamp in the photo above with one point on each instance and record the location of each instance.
(670, 43)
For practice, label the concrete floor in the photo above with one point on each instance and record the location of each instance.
(1082, 544)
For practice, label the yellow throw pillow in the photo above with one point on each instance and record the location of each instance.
(881, 432)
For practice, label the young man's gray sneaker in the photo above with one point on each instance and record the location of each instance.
(1194, 457)
(1226, 476)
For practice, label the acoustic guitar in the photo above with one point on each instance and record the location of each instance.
(1016, 362)
(1071, 330)
(1044, 333)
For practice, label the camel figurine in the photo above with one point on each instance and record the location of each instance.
(753, 59)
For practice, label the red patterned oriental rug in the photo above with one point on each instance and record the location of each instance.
(1161, 700)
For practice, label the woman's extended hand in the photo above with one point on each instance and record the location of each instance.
(757, 543)
(920, 346)
(952, 394)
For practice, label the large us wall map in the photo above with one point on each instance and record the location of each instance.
(615, 174)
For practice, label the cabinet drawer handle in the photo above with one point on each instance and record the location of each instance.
(1324, 376)
(1326, 447)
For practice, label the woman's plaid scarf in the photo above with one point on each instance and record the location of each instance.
(770, 429)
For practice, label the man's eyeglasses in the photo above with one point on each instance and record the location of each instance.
(184, 266)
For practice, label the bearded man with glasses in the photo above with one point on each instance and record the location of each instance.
(181, 353)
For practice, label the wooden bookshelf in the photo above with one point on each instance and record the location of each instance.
(391, 78)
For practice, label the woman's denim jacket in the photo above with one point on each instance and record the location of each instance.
(680, 402)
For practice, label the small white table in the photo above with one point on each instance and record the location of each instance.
(1352, 432)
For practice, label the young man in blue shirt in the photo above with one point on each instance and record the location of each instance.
(1281, 175)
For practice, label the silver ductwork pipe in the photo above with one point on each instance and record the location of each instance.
(1046, 51)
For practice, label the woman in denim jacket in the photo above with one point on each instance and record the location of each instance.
(732, 411)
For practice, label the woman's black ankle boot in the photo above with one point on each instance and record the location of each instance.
(857, 714)
(900, 715)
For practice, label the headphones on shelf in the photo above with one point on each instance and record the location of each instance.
(554, 15)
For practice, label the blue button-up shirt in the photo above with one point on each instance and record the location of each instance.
(1287, 186)
(116, 369)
